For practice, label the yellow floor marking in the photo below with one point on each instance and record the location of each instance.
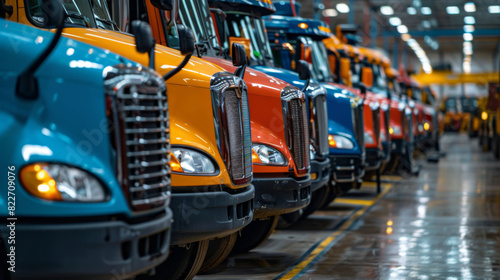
(300, 266)
(353, 201)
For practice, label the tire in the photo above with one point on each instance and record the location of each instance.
(287, 220)
(183, 263)
(218, 250)
(318, 199)
(330, 196)
(254, 234)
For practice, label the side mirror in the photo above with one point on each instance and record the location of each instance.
(239, 56)
(362, 88)
(52, 12)
(186, 40)
(332, 60)
(367, 76)
(163, 4)
(144, 41)
(186, 46)
(304, 72)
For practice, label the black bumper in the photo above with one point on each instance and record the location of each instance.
(276, 196)
(347, 168)
(398, 146)
(111, 249)
(373, 159)
(320, 173)
(204, 215)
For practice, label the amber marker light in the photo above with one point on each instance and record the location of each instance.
(427, 126)
(175, 165)
(37, 181)
(303, 25)
(255, 157)
(391, 131)
(331, 142)
(484, 116)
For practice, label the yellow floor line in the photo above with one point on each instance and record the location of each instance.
(324, 244)
(353, 201)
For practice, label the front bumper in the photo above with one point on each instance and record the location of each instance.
(373, 159)
(276, 196)
(210, 214)
(347, 168)
(110, 249)
(320, 173)
(398, 146)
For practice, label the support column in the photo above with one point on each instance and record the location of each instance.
(395, 56)
(373, 29)
(351, 11)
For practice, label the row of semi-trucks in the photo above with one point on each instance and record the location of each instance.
(153, 138)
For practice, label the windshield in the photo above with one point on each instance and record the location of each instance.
(451, 105)
(85, 13)
(195, 14)
(321, 66)
(469, 105)
(240, 25)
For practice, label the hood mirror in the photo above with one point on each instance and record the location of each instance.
(186, 46)
(304, 73)
(239, 56)
(144, 41)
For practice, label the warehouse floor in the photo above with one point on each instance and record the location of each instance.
(443, 224)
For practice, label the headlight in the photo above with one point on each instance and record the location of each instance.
(339, 142)
(415, 111)
(401, 106)
(369, 139)
(267, 155)
(484, 116)
(61, 182)
(395, 130)
(189, 161)
(312, 152)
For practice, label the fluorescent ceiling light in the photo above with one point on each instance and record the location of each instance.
(469, 28)
(470, 7)
(469, 20)
(395, 21)
(412, 11)
(468, 37)
(342, 8)
(467, 45)
(452, 10)
(495, 9)
(402, 29)
(330, 13)
(386, 10)
(426, 24)
(426, 10)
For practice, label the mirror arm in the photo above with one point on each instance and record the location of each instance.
(240, 72)
(8, 9)
(152, 58)
(178, 68)
(27, 84)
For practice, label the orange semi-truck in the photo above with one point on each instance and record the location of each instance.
(211, 145)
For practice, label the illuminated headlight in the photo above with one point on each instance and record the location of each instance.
(484, 116)
(401, 106)
(189, 161)
(411, 103)
(415, 111)
(339, 142)
(60, 182)
(264, 154)
(369, 139)
(420, 127)
(395, 130)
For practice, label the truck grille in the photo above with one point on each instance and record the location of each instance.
(232, 123)
(359, 124)
(387, 120)
(138, 111)
(376, 122)
(319, 131)
(296, 127)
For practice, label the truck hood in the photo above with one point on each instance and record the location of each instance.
(197, 72)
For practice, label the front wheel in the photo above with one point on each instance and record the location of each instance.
(255, 234)
(218, 250)
(183, 263)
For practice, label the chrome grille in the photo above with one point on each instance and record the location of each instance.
(376, 121)
(138, 111)
(232, 125)
(359, 124)
(296, 126)
(319, 131)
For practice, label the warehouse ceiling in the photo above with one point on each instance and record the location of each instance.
(438, 26)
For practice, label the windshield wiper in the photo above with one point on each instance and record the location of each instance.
(78, 16)
(109, 22)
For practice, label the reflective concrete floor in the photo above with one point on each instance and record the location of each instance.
(443, 224)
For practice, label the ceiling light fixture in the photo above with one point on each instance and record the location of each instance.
(402, 29)
(426, 11)
(468, 28)
(386, 10)
(468, 37)
(395, 21)
(470, 7)
(412, 11)
(343, 8)
(330, 13)
(452, 10)
(469, 20)
(494, 9)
